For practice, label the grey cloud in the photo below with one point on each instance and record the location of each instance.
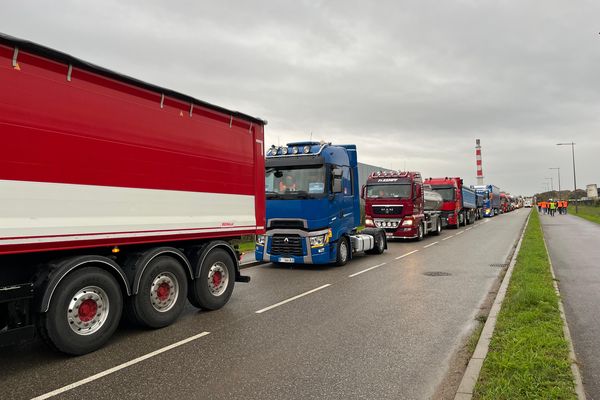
(410, 82)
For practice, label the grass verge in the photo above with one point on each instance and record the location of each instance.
(528, 356)
(587, 212)
(246, 246)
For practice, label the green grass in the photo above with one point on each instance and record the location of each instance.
(246, 246)
(529, 356)
(587, 212)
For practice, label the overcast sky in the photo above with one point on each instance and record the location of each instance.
(412, 83)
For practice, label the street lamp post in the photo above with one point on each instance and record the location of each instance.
(551, 184)
(558, 169)
(574, 175)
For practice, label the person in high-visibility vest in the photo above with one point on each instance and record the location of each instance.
(544, 207)
(552, 208)
(565, 206)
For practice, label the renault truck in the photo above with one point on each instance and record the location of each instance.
(313, 206)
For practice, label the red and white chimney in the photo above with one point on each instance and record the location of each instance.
(478, 160)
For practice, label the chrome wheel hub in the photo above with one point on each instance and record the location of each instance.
(88, 310)
(218, 278)
(164, 291)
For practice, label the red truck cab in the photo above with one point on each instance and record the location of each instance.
(394, 202)
(455, 209)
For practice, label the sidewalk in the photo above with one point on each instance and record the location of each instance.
(574, 247)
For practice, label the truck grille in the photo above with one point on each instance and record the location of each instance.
(286, 224)
(286, 245)
(387, 210)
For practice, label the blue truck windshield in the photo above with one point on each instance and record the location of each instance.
(401, 191)
(447, 192)
(295, 183)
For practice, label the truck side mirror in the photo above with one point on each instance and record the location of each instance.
(337, 184)
(363, 192)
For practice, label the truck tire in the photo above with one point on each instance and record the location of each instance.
(420, 233)
(162, 294)
(212, 289)
(438, 228)
(379, 244)
(84, 312)
(343, 252)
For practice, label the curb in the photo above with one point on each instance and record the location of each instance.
(579, 390)
(250, 264)
(467, 384)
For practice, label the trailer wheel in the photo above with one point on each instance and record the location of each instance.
(379, 244)
(213, 288)
(343, 252)
(161, 295)
(84, 312)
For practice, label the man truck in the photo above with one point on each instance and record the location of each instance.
(116, 196)
(313, 206)
(402, 205)
(460, 204)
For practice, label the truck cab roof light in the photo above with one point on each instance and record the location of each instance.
(284, 150)
(306, 149)
(295, 150)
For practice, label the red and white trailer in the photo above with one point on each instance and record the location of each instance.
(115, 194)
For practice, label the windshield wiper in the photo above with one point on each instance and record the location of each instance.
(302, 194)
(272, 195)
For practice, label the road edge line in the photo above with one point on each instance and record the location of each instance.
(577, 378)
(471, 375)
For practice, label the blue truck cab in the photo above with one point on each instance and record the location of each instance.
(313, 206)
(491, 199)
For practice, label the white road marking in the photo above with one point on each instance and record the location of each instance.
(486, 221)
(458, 233)
(430, 244)
(407, 254)
(119, 367)
(291, 299)
(468, 229)
(365, 270)
(449, 237)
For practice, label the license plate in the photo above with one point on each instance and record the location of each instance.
(285, 260)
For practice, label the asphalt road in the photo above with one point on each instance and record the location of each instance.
(378, 328)
(574, 247)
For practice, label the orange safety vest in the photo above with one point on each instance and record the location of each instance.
(544, 205)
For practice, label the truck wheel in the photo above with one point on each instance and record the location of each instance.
(379, 244)
(420, 233)
(343, 252)
(84, 312)
(161, 295)
(213, 288)
(438, 228)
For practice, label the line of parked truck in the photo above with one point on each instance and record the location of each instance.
(118, 197)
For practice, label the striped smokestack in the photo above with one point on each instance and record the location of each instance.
(478, 158)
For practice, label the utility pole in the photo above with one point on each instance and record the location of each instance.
(574, 175)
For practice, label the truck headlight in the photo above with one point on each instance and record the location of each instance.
(320, 240)
(260, 240)
(407, 222)
(369, 222)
